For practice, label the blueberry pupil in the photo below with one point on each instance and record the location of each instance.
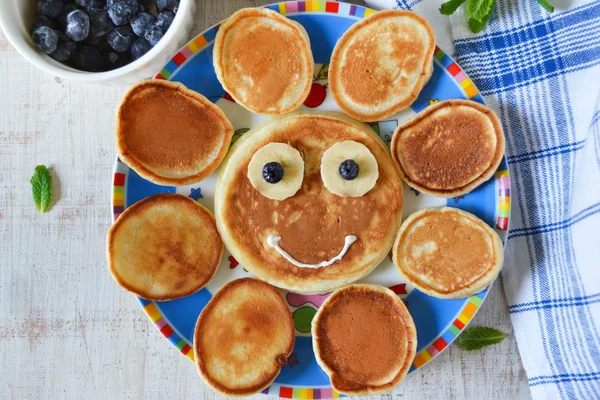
(272, 172)
(349, 170)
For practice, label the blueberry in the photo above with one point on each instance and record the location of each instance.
(115, 60)
(90, 3)
(78, 25)
(100, 22)
(45, 39)
(348, 170)
(92, 40)
(65, 49)
(154, 34)
(41, 20)
(121, 11)
(50, 8)
(88, 58)
(120, 38)
(139, 48)
(163, 5)
(272, 172)
(67, 9)
(164, 20)
(96, 4)
(141, 22)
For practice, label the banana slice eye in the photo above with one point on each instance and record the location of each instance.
(349, 169)
(276, 170)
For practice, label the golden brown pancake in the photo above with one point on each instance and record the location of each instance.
(164, 247)
(447, 253)
(381, 63)
(171, 135)
(450, 148)
(313, 223)
(364, 339)
(264, 61)
(243, 337)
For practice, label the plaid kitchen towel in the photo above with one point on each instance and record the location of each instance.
(540, 72)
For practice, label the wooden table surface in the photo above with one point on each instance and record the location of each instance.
(66, 330)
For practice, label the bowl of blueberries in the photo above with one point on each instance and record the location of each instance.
(108, 41)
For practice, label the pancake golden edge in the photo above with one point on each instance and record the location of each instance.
(396, 148)
(478, 283)
(153, 240)
(369, 109)
(232, 316)
(396, 373)
(146, 171)
(238, 252)
(301, 38)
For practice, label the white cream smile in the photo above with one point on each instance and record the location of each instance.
(273, 241)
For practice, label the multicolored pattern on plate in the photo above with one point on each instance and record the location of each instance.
(459, 75)
(438, 321)
(452, 331)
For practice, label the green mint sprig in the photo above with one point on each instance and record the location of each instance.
(479, 337)
(41, 188)
(479, 11)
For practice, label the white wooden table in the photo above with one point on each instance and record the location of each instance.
(66, 330)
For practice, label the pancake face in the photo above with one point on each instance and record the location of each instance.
(243, 337)
(170, 135)
(164, 247)
(264, 61)
(450, 148)
(313, 224)
(447, 252)
(364, 339)
(381, 63)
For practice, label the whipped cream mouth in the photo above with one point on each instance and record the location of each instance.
(273, 241)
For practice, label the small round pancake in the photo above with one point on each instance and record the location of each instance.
(171, 135)
(314, 223)
(450, 148)
(264, 61)
(381, 63)
(365, 339)
(243, 337)
(164, 247)
(447, 253)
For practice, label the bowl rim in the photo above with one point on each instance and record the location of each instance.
(48, 65)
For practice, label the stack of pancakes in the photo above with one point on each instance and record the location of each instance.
(307, 202)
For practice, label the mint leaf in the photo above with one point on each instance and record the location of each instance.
(478, 13)
(546, 4)
(479, 337)
(450, 6)
(41, 188)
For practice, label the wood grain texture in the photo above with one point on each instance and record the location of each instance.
(66, 330)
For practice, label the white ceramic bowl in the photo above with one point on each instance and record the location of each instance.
(16, 17)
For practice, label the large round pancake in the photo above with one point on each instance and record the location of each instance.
(450, 148)
(381, 63)
(264, 61)
(365, 339)
(314, 222)
(448, 253)
(164, 247)
(243, 337)
(171, 135)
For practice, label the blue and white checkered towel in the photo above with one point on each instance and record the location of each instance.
(540, 72)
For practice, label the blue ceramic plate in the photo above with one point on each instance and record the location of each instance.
(438, 321)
